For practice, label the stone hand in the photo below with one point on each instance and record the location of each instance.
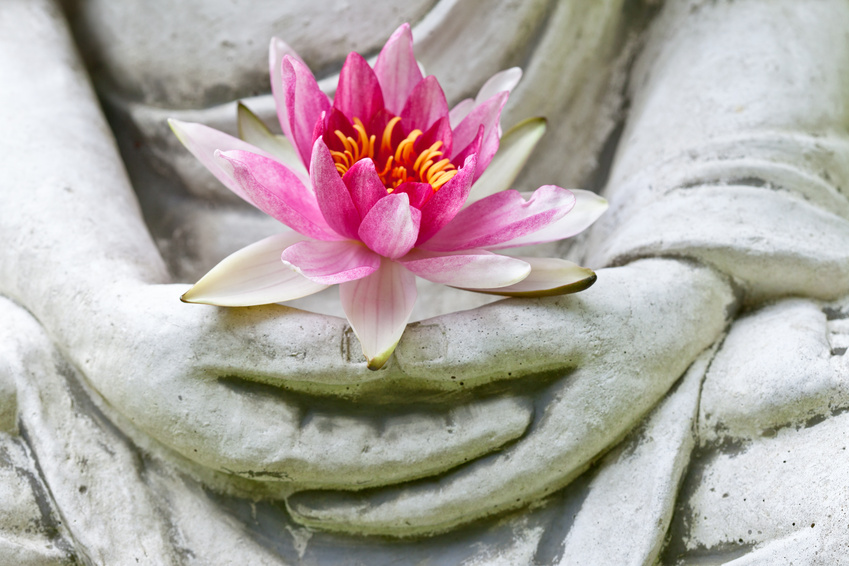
(617, 348)
(185, 375)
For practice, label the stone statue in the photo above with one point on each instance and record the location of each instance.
(689, 407)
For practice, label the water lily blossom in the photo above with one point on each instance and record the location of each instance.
(380, 185)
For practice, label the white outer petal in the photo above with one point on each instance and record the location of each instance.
(549, 276)
(499, 82)
(254, 275)
(460, 111)
(378, 307)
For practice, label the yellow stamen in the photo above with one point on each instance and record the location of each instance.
(343, 139)
(386, 139)
(401, 165)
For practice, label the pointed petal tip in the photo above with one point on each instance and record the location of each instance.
(507, 79)
(193, 297)
(575, 287)
(247, 119)
(243, 114)
(535, 121)
(568, 289)
(198, 301)
(223, 158)
(287, 65)
(380, 360)
(215, 303)
(228, 156)
(501, 83)
(403, 30)
(177, 127)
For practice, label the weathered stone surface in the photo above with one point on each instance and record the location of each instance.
(781, 498)
(8, 397)
(194, 430)
(195, 54)
(699, 147)
(776, 369)
(618, 524)
(31, 534)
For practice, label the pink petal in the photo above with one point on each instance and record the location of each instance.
(588, 207)
(364, 185)
(425, 105)
(445, 202)
(378, 308)
(471, 149)
(253, 276)
(391, 226)
(202, 141)
(358, 94)
(277, 191)
(397, 70)
(303, 105)
(419, 193)
(549, 277)
(334, 200)
(334, 121)
(276, 51)
(501, 217)
(487, 115)
(438, 131)
(329, 263)
(473, 268)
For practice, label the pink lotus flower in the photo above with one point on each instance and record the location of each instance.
(381, 185)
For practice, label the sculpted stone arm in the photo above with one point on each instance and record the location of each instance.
(66, 226)
(735, 151)
(751, 178)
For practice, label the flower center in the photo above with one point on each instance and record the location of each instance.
(395, 164)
